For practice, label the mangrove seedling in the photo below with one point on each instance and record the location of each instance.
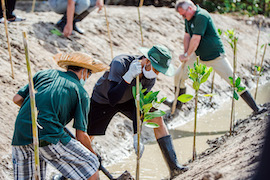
(149, 105)
(232, 40)
(198, 75)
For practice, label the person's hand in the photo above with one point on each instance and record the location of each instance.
(134, 70)
(68, 30)
(100, 4)
(183, 58)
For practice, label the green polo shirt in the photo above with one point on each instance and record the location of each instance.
(59, 98)
(210, 46)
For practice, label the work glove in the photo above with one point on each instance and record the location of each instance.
(135, 145)
(134, 70)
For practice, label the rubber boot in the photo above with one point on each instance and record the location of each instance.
(80, 17)
(250, 101)
(166, 146)
(62, 23)
(169, 102)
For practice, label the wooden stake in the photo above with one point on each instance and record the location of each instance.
(138, 126)
(195, 126)
(109, 32)
(6, 28)
(257, 46)
(264, 51)
(212, 86)
(141, 4)
(33, 109)
(33, 5)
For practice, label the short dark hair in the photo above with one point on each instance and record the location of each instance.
(74, 68)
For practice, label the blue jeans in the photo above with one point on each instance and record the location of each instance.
(60, 6)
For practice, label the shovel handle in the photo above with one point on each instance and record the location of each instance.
(178, 88)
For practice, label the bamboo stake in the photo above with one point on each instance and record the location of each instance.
(258, 40)
(109, 32)
(33, 5)
(234, 71)
(138, 104)
(141, 4)
(178, 88)
(6, 29)
(195, 126)
(33, 109)
(138, 126)
(212, 86)
(264, 51)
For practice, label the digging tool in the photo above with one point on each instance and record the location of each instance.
(6, 28)
(33, 6)
(33, 110)
(178, 88)
(124, 176)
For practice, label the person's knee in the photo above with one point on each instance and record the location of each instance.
(94, 176)
(82, 6)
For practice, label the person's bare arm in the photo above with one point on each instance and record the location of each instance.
(18, 99)
(193, 45)
(186, 42)
(85, 139)
(70, 15)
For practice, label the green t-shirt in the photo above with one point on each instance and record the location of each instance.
(59, 98)
(210, 46)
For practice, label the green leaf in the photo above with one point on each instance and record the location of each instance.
(235, 95)
(231, 80)
(220, 32)
(134, 91)
(196, 85)
(152, 115)
(152, 125)
(262, 46)
(56, 32)
(144, 90)
(184, 98)
(150, 97)
(193, 76)
(240, 89)
(207, 95)
(206, 75)
(237, 82)
(162, 100)
(147, 107)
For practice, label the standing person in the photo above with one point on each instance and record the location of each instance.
(74, 11)
(201, 39)
(113, 93)
(11, 17)
(60, 97)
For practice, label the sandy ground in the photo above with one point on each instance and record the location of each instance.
(160, 26)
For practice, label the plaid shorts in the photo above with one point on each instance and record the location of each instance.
(73, 160)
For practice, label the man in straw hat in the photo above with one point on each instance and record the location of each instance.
(60, 97)
(113, 93)
(201, 39)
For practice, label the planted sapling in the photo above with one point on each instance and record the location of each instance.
(149, 105)
(198, 75)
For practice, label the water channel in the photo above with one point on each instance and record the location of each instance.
(209, 126)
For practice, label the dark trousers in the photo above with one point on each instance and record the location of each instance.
(10, 6)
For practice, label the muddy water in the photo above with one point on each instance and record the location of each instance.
(210, 126)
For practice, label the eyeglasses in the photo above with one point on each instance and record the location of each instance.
(183, 12)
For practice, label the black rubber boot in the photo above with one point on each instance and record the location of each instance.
(80, 17)
(169, 102)
(250, 101)
(166, 146)
(62, 23)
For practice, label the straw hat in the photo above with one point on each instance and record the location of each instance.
(81, 60)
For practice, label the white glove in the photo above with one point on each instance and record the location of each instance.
(135, 145)
(134, 70)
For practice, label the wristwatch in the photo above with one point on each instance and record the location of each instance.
(186, 55)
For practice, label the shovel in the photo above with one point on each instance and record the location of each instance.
(124, 176)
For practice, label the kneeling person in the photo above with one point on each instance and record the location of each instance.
(113, 93)
(60, 97)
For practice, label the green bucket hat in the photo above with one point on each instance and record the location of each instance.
(160, 58)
